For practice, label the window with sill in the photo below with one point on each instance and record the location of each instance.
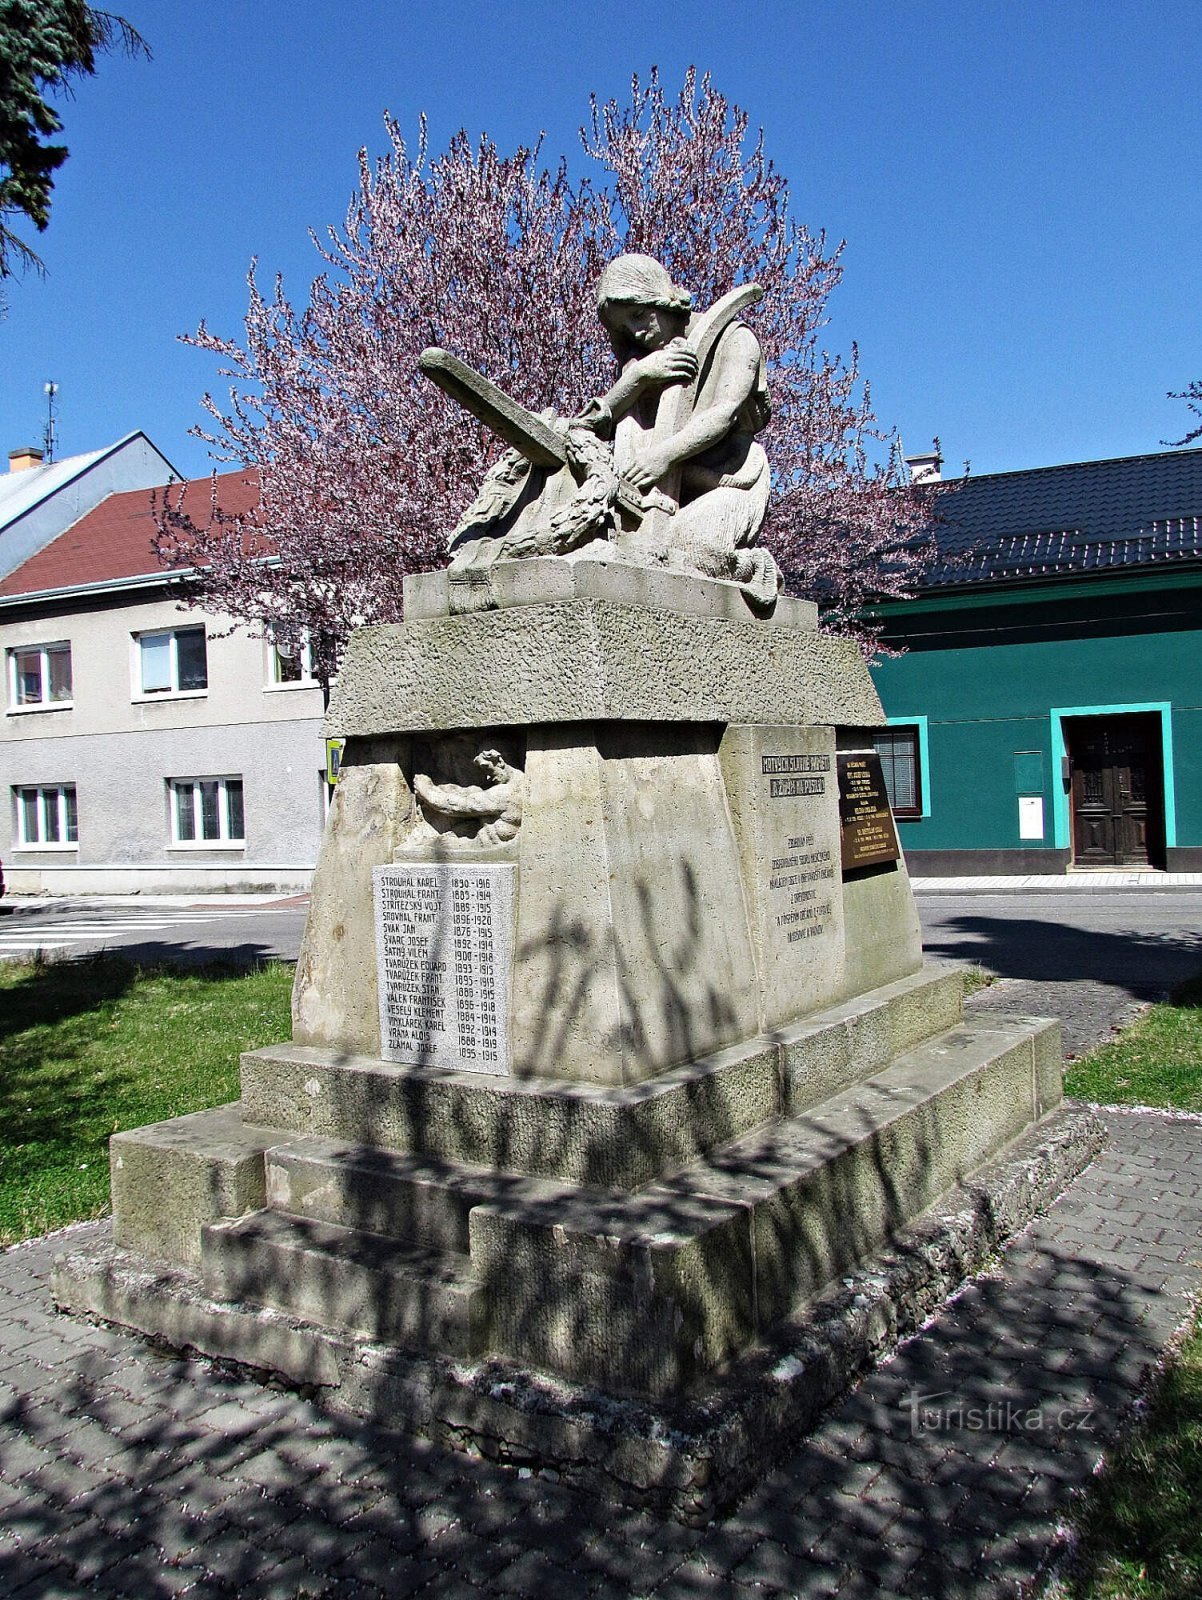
(47, 815)
(290, 665)
(899, 748)
(174, 661)
(39, 675)
(207, 811)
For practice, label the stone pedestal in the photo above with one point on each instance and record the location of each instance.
(677, 885)
(600, 1101)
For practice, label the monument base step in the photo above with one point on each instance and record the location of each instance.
(603, 1137)
(398, 1196)
(342, 1278)
(648, 1292)
(641, 1290)
(687, 1456)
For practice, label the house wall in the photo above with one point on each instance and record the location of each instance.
(988, 678)
(120, 750)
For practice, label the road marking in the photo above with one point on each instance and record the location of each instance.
(67, 925)
(18, 938)
(59, 936)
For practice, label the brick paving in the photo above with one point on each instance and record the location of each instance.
(125, 1471)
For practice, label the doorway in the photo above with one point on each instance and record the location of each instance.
(1116, 768)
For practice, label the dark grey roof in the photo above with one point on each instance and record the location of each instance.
(1084, 517)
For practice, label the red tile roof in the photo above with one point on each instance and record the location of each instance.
(114, 540)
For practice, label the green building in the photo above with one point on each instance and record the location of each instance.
(1047, 713)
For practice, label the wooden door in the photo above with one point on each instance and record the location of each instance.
(1117, 790)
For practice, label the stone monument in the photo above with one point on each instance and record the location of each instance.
(621, 1121)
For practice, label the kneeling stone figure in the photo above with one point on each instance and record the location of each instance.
(663, 469)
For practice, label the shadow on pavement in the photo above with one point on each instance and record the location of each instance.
(1144, 966)
(943, 1476)
(225, 960)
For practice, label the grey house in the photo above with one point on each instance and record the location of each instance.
(145, 746)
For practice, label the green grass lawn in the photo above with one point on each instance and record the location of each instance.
(91, 1046)
(1157, 1061)
(1141, 1527)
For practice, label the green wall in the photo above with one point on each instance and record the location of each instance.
(987, 702)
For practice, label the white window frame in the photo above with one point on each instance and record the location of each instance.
(15, 707)
(224, 841)
(48, 794)
(174, 692)
(274, 659)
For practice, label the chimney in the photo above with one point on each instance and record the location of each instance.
(24, 457)
(926, 468)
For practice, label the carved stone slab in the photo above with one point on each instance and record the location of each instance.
(783, 790)
(444, 945)
(589, 660)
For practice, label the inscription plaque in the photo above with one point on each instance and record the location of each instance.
(868, 836)
(444, 949)
(783, 792)
(799, 884)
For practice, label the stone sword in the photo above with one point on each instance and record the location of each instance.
(536, 439)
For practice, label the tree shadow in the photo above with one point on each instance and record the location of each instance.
(218, 961)
(947, 1473)
(1143, 966)
(51, 991)
(1143, 1512)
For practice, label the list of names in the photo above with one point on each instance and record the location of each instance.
(444, 947)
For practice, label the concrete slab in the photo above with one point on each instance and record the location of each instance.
(171, 1178)
(604, 1138)
(596, 1136)
(593, 575)
(594, 661)
(340, 1278)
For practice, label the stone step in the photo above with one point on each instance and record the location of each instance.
(653, 1289)
(688, 1457)
(340, 1278)
(847, 1043)
(825, 1190)
(413, 1199)
(171, 1178)
(608, 1138)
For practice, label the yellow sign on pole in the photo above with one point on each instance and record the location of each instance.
(334, 749)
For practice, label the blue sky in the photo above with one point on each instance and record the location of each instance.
(1018, 186)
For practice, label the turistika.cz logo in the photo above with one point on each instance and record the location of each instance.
(994, 1416)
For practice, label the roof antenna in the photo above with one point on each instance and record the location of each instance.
(48, 435)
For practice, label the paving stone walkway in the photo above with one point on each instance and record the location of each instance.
(124, 1471)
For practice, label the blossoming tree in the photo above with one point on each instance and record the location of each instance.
(364, 466)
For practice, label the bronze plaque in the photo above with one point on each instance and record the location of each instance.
(867, 834)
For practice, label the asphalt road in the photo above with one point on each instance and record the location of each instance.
(1092, 960)
(153, 929)
(1089, 959)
